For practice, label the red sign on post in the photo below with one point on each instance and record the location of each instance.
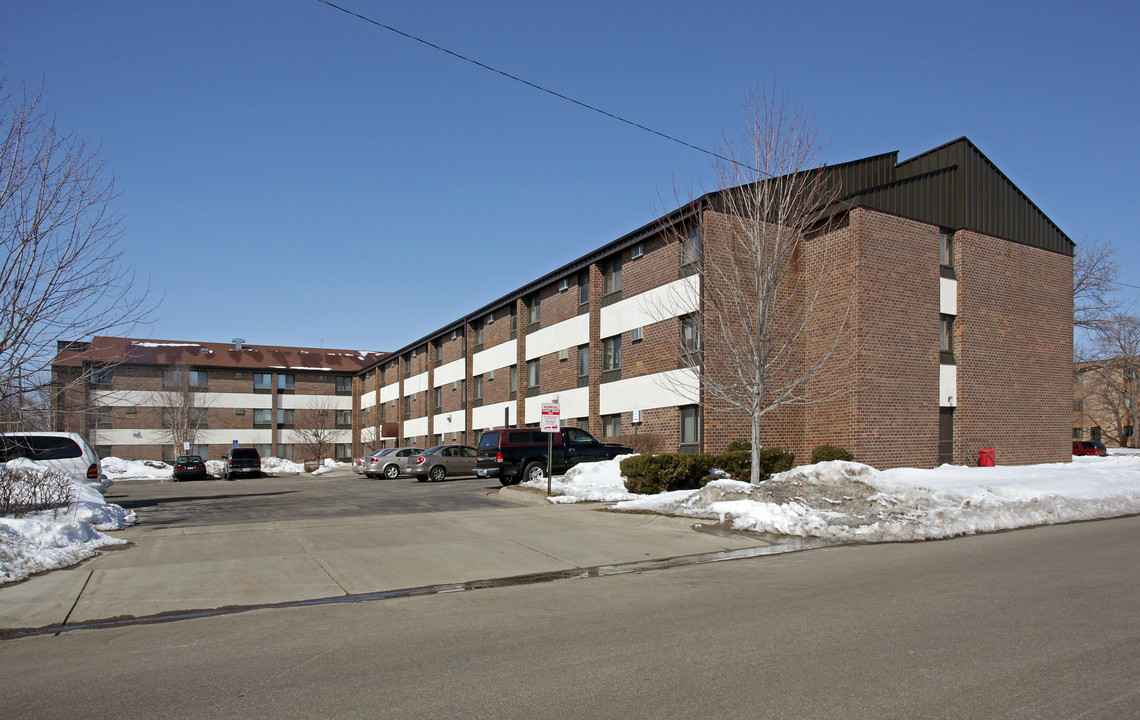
(551, 418)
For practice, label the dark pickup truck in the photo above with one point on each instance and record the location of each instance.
(241, 461)
(516, 454)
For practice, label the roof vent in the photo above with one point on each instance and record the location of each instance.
(237, 343)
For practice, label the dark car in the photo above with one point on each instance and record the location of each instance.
(187, 467)
(438, 462)
(516, 454)
(1089, 447)
(241, 461)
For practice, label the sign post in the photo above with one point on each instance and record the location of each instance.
(550, 424)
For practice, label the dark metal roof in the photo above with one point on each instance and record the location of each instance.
(957, 187)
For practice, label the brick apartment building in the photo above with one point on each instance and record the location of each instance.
(959, 294)
(1106, 394)
(124, 395)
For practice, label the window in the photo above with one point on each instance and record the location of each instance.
(171, 378)
(1095, 433)
(690, 334)
(534, 311)
(101, 376)
(946, 338)
(202, 451)
(262, 381)
(285, 382)
(946, 248)
(131, 410)
(199, 417)
(584, 287)
(344, 385)
(691, 247)
(611, 277)
(285, 452)
(437, 399)
(611, 353)
(514, 323)
(611, 425)
(437, 352)
(477, 389)
(514, 380)
(532, 374)
(343, 451)
(690, 427)
(198, 378)
(344, 418)
(262, 418)
(477, 330)
(583, 362)
(1078, 406)
(284, 418)
(1078, 433)
(103, 416)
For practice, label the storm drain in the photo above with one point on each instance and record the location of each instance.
(779, 546)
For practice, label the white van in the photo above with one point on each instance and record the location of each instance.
(63, 451)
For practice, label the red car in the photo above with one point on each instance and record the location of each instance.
(1089, 447)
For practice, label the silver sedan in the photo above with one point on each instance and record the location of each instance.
(441, 461)
(390, 464)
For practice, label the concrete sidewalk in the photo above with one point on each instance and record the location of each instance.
(170, 570)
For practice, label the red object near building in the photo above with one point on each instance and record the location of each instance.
(986, 458)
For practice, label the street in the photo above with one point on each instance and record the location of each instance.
(1034, 623)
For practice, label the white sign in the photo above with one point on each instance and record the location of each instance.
(551, 420)
(186, 446)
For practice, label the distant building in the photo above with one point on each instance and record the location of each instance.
(127, 395)
(1105, 395)
(961, 312)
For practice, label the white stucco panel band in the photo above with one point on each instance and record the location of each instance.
(368, 400)
(416, 384)
(947, 385)
(449, 373)
(296, 437)
(493, 358)
(416, 427)
(368, 435)
(204, 437)
(449, 422)
(388, 393)
(566, 334)
(491, 416)
(314, 402)
(573, 403)
(144, 398)
(671, 300)
(667, 389)
(947, 296)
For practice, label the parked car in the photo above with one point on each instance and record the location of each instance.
(1089, 447)
(441, 461)
(360, 465)
(516, 454)
(390, 463)
(67, 452)
(241, 461)
(187, 467)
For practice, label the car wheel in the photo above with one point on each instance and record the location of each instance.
(534, 471)
(438, 473)
(392, 472)
(506, 481)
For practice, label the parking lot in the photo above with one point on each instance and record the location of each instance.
(299, 497)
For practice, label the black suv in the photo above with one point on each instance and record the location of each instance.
(516, 454)
(241, 461)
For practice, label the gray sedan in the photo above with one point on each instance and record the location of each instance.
(441, 461)
(390, 464)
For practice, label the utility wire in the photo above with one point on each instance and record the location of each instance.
(528, 83)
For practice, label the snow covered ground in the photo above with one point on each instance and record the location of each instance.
(851, 502)
(836, 500)
(118, 469)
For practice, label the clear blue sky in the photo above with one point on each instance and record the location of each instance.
(295, 176)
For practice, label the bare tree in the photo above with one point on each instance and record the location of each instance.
(316, 428)
(1094, 280)
(770, 318)
(62, 276)
(1111, 379)
(184, 410)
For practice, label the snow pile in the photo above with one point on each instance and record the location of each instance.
(118, 469)
(58, 538)
(328, 465)
(851, 502)
(270, 466)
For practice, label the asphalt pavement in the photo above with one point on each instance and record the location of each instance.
(182, 569)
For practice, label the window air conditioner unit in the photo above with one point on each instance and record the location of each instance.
(636, 252)
(454, 334)
(563, 285)
(455, 386)
(635, 334)
(563, 354)
(490, 318)
(490, 374)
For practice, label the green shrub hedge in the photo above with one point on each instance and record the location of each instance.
(650, 474)
(824, 453)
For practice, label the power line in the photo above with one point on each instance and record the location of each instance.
(528, 83)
